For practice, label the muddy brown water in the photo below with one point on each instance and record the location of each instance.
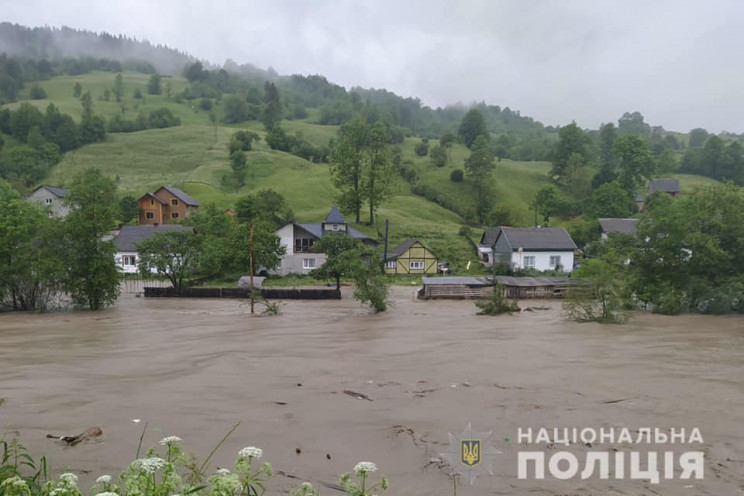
(193, 368)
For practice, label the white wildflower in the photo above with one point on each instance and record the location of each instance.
(166, 441)
(57, 491)
(18, 482)
(150, 465)
(104, 479)
(306, 485)
(107, 494)
(251, 452)
(69, 478)
(365, 468)
(223, 471)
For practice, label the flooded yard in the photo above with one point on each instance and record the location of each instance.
(193, 368)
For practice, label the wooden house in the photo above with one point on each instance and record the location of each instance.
(164, 206)
(410, 257)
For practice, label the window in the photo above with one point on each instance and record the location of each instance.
(174, 215)
(152, 202)
(529, 262)
(391, 265)
(417, 265)
(149, 215)
(304, 245)
(129, 260)
(48, 201)
(174, 202)
(308, 263)
(555, 260)
(335, 227)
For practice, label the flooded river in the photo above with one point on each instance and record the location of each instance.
(193, 368)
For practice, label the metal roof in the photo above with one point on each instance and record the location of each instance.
(666, 184)
(455, 281)
(334, 216)
(181, 195)
(538, 238)
(317, 231)
(55, 190)
(129, 236)
(529, 282)
(620, 226)
(489, 236)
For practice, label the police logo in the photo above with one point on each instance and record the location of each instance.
(470, 453)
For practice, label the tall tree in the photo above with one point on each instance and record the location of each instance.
(634, 161)
(571, 139)
(118, 87)
(377, 171)
(93, 278)
(632, 123)
(607, 164)
(87, 102)
(171, 254)
(698, 137)
(472, 126)
(153, 85)
(346, 165)
(272, 113)
(479, 166)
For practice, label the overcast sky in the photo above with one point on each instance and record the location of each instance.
(677, 62)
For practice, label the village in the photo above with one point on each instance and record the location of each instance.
(525, 263)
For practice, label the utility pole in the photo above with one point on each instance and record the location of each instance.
(251, 268)
(384, 253)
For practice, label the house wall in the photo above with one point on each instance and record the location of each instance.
(57, 208)
(417, 253)
(147, 204)
(126, 269)
(293, 263)
(542, 259)
(181, 208)
(502, 255)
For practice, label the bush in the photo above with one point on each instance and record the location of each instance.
(205, 104)
(456, 176)
(38, 93)
(497, 304)
(162, 118)
(138, 94)
(603, 296)
(422, 149)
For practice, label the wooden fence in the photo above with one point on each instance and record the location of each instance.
(268, 293)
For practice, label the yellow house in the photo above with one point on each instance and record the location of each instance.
(410, 257)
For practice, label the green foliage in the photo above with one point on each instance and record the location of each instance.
(86, 101)
(128, 209)
(422, 149)
(716, 160)
(342, 255)
(92, 277)
(358, 485)
(153, 86)
(438, 155)
(171, 254)
(479, 167)
(571, 140)
(206, 104)
(634, 161)
(137, 94)
(698, 137)
(550, 201)
(272, 112)
(118, 87)
(633, 124)
(37, 92)
(77, 90)
(611, 200)
(265, 206)
(601, 294)
(457, 176)
(497, 304)
(163, 117)
(472, 126)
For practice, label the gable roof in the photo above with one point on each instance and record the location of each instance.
(129, 236)
(667, 184)
(538, 238)
(55, 190)
(404, 247)
(153, 197)
(489, 236)
(334, 216)
(181, 195)
(620, 226)
(317, 231)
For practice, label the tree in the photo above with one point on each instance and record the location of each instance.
(195, 72)
(173, 254)
(611, 200)
(456, 176)
(472, 126)
(607, 163)
(479, 166)
(128, 209)
(698, 137)
(341, 251)
(438, 156)
(77, 90)
(272, 113)
(571, 139)
(603, 295)
(548, 201)
(265, 206)
(87, 102)
(578, 177)
(371, 287)
(346, 165)
(118, 87)
(153, 85)
(634, 161)
(422, 148)
(503, 144)
(92, 129)
(267, 248)
(238, 163)
(92, 278)
(162, 118)
(633, 124)
(30, 268)
(236, 110)
(37, 92)
(242, 140)
(377, 171)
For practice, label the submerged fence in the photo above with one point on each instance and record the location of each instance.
(268, 293)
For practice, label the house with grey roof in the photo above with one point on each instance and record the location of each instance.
(50, 198)
(485, 246)
(299, 239)
(127, 256)
(608, 227)
(667, 185)
(538, 248)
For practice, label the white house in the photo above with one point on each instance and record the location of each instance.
(538, 248)
(51, 197)
(126, 241)
(298, 239)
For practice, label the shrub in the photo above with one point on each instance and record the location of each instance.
(497, 304)
(38, 93)
(205, 104)
(456, 176)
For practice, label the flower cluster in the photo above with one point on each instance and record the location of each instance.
(167, 441)
(104, 479)
(15, 486)
(365, 468)
(150, 465)
(71, 479)
(363, 487)
(251, 452)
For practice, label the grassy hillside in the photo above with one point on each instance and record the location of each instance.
(194, 156)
